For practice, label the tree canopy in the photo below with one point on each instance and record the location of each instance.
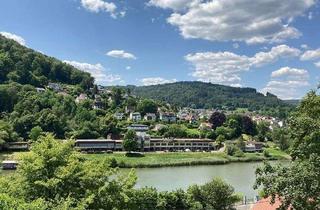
(298, 183)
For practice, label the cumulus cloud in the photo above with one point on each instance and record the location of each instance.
(220, 67)
(286, 82)
(317, 64)
(102, 6)
(156, 81)
(174, 4)
(96, 70)
(226, 67)
(121, 54)
(14, 37)
(263, 21)
(310, 55)
(280, 51)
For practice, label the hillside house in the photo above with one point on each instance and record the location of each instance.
(253, 147)
(168, 117)
(54, 86)
(81, 98)
(150, 117)
(119, 115)
(138, 127)
(135, 116)
(40, 90)
(98, 103)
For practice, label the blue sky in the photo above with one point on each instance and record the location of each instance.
(270, 45)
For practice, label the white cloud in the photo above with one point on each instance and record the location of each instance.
(220, 67)
(226, 67)
(280, 51)
(263, 21)
(287, 82)
(310, 55)
(121, 54)
(100, 6)
(290, 72)
(96, 70)
(156, 81)
(14, 37)
(128, 67)
(304, 46)
(173, 4)
(317, 64)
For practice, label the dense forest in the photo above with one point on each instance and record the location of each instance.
(207, 95)
(26, 66)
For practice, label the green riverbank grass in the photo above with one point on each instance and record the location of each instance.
(153, 159)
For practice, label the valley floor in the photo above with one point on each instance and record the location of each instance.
(154, 159)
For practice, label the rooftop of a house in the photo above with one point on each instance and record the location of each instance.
(264, 204)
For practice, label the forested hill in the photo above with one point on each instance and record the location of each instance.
(26, 66)
(207, 95)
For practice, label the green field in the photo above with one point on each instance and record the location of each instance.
(153, 159)
(182, 159)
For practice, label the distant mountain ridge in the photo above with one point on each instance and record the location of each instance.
(207, 95)
(26, 66)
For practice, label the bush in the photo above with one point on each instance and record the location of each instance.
(134, 154)
(233, 150)
(239, 153)
(266, 153)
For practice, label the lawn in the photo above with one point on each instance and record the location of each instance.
(179, 159)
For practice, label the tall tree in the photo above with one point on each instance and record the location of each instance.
(217, 119)
(298, 184)
(130, 141)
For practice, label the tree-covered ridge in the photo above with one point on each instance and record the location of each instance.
(26, 66)
(207, 95)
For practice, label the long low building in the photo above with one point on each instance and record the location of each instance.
(178, 144)
(98, 144)
(148, 144)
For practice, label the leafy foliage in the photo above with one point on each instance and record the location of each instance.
(298, 184)
(207, 95)
(26, 66)
(54, 176)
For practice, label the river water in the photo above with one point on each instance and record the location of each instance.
(240, 175)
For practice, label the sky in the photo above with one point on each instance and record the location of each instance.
(270, 45)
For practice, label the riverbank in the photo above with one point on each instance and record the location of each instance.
(153, 160)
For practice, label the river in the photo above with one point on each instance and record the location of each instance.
(240, 175)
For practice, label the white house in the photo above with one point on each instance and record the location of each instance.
(135, 116)
(119, 115)
(81, 98)
(168, 117)
(54, 86)
(150, 117)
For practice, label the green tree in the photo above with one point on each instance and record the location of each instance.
(130, 142)
(280, 136)
(215, 195)
(54, 173)
(220, 139)
(147, 106)
(35, 133)
(217, 119)
(298, 184)
(263, 130)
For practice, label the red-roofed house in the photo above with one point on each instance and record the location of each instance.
(264, 204)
